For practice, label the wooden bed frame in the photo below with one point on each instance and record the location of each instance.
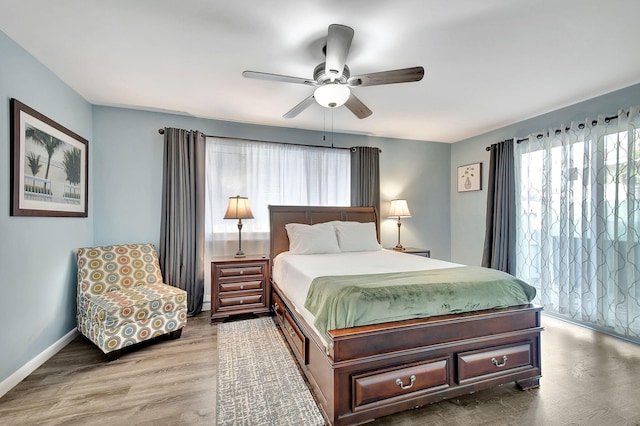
(376, 370)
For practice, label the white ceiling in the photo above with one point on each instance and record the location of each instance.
(487, 63)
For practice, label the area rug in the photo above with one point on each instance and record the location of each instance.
(259, 383)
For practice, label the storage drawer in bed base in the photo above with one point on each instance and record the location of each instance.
(380, 387)
(485, 363)
(294, 336)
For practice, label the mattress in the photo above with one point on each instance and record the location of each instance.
(295, 273)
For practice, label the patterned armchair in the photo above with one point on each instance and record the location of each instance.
(122, 299)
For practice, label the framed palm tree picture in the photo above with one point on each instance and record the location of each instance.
(50, 167)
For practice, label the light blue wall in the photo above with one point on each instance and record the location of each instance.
(128, 175)
(37, 259)
(468, 208)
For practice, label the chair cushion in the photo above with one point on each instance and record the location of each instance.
(108, 268)
(115, 308)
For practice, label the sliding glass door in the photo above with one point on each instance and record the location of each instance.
(579, 221)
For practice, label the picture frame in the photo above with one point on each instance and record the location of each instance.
(470, 177)
(49, 167)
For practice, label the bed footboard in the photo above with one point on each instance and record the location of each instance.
(377, 370)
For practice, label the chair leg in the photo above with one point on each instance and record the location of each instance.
(175, 334)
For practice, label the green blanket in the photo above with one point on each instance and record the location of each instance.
(352, 300)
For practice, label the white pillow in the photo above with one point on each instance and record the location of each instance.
(312, 239)
(357, 236)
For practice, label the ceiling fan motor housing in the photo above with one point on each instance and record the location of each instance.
(322, 77)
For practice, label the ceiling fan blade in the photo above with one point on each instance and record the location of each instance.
(403, 75)
(356, 106)
(277, 77)
(300, 107)
(338, 44)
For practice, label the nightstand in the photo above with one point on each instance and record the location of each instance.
(239, 286)
(417, 251)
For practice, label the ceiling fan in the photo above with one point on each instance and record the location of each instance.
(333, 79)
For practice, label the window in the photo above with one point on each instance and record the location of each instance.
(268, 173)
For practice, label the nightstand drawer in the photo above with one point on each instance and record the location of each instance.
(226, 287)
(241, 300)
(240, 270)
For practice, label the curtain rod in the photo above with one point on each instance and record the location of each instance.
(558, 131)
(161, 131)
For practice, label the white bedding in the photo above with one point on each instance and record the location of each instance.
(294, 273)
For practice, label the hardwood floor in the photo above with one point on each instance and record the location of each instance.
(172, 382)
(588, 379)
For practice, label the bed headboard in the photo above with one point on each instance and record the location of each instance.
(279, 216)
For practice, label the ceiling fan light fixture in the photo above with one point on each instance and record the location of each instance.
(332, 95)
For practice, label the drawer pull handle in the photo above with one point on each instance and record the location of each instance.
(497, 364)
(241, 287)
(241, 301)
(291, 332)
(241, 272)
(409, 386)
(276, 307)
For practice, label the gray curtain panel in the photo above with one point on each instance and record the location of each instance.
(500, 237)
(365, 177)
(182, 223)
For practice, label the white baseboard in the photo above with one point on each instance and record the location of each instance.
(7, 384)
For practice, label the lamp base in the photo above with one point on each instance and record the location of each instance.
(398, 246)
(239, 253)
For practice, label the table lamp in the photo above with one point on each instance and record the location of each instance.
(238, 208)
(399, 209)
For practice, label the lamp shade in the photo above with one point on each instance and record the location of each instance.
(399, 208)
(332, 95)
(238, 208)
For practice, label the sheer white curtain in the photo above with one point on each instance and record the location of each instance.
(579, 221)
(267, 173)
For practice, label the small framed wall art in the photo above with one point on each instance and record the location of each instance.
(49, 168)
(470, 177)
